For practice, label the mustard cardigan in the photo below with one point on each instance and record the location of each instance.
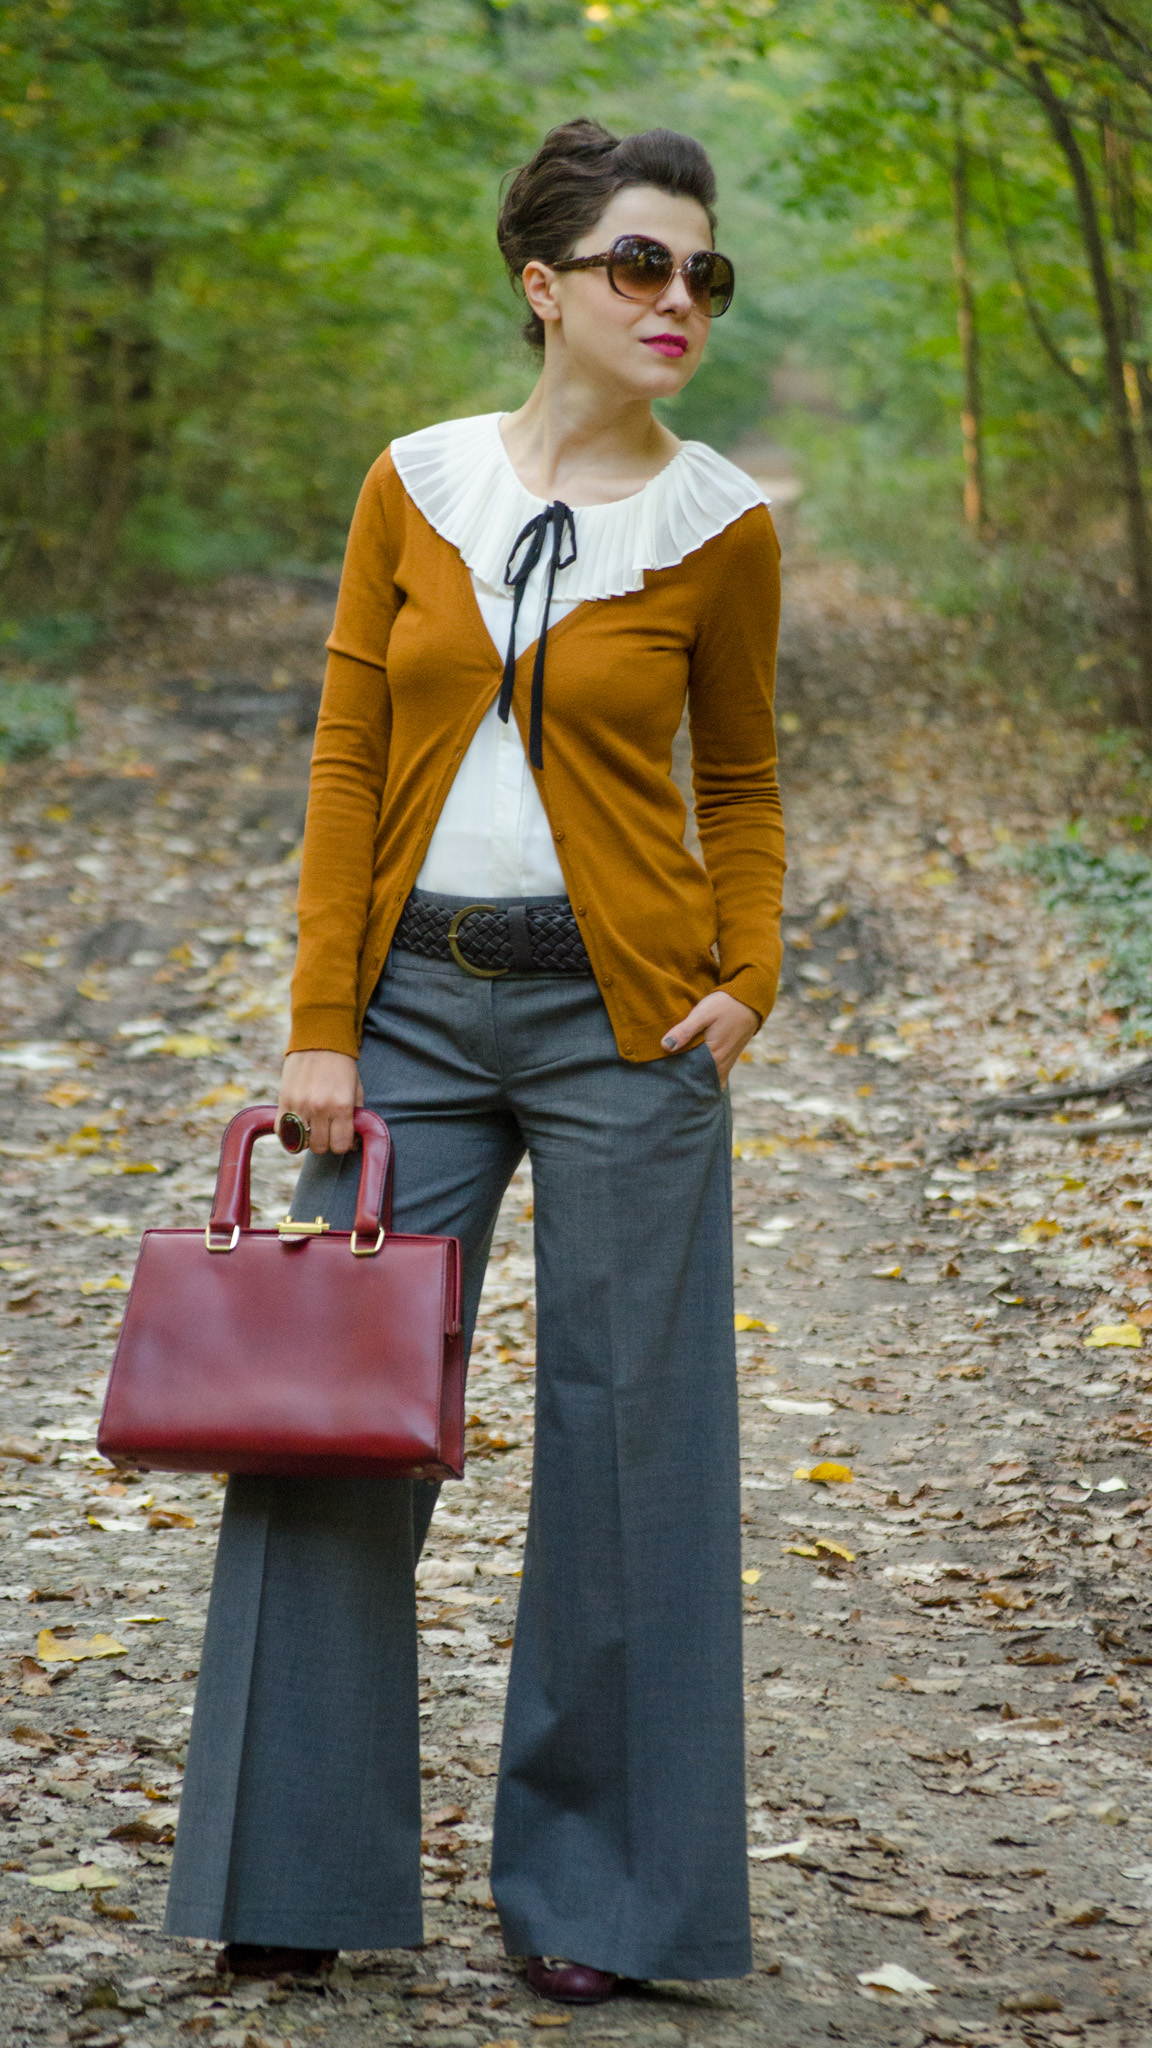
(411, 672)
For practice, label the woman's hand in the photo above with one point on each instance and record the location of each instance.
(323, 1088)
(727, 1026)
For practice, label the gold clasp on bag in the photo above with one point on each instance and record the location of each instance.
(367, 1251)
(291, 1230)
(229, 1247)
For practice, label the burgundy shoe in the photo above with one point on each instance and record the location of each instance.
(252, 1959)
(570, 1983)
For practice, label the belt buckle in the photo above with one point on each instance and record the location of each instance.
(481, 973)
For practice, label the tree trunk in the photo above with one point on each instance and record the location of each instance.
(972, 411)
(1117, 153)
(1123, 427)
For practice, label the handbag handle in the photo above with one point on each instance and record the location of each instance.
(232, 1201)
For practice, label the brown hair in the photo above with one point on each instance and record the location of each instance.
(561, 194)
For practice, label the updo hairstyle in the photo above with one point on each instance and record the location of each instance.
(561, 194)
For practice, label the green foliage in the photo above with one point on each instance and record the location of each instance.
(34, 718)
(1110, 894)
(241, 242)
(50, 640)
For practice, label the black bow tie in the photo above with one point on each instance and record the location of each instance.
(558, 519)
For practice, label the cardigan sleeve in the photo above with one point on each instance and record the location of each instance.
(349, 765)
(738, 812)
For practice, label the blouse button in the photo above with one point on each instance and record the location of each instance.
(559, 834)
(581, 909)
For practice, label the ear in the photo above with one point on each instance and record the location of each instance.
(540, 284)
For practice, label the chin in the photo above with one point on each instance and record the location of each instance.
(660, 377)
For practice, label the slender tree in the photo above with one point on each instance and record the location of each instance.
(972, 409)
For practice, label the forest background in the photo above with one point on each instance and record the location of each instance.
(243, 242)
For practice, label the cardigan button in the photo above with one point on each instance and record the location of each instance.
(558, 835)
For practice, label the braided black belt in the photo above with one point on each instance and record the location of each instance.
(486, 940)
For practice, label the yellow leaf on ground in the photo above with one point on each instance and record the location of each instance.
(50, 1650)
(229, 1091)
(887, 1272)
(826, 1473)
(1114, 1335)
(800, 1550)
(743, 1322)
(830, 1549)
(66, 1094)
(188, 1045)
(170, 1518)
(1044, 1226)
(88, 1878)
(114, 1284)
(751, 1578)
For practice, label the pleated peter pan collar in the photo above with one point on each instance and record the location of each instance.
(460, 477)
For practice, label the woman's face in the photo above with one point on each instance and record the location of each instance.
(651, 347)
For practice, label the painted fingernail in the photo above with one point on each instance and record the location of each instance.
(669, 1043)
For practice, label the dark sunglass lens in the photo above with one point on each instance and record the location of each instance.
(640, 268)
(723, 284)
(698, 276)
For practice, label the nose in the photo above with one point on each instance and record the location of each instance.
(676, 299)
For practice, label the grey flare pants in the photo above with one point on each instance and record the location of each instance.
(619, 1831)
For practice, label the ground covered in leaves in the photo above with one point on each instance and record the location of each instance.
(947, 1393)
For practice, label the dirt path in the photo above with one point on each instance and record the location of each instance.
(949, 1748)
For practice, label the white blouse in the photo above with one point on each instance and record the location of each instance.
(493, 838)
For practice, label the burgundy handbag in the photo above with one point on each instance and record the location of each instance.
(298, 1349)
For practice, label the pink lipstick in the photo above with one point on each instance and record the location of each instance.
(671, 345)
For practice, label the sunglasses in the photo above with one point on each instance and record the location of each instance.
(640, 268)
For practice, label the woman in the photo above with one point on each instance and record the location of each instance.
(527, 602)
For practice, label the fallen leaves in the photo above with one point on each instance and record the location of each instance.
(50, 1649)
(743, 1322)
(143, 1830)
(435, 1572)
(21, 1447)
(1114, 1336)
(1004, 1597)
(822, 1547)
(892, 1980)
(826, 1473)
(86, 1877)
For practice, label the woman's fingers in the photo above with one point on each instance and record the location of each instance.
(341, 1131)
(726, 1024)
(688, 1028)
(322, 1088)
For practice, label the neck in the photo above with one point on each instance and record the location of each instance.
(574, 440)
